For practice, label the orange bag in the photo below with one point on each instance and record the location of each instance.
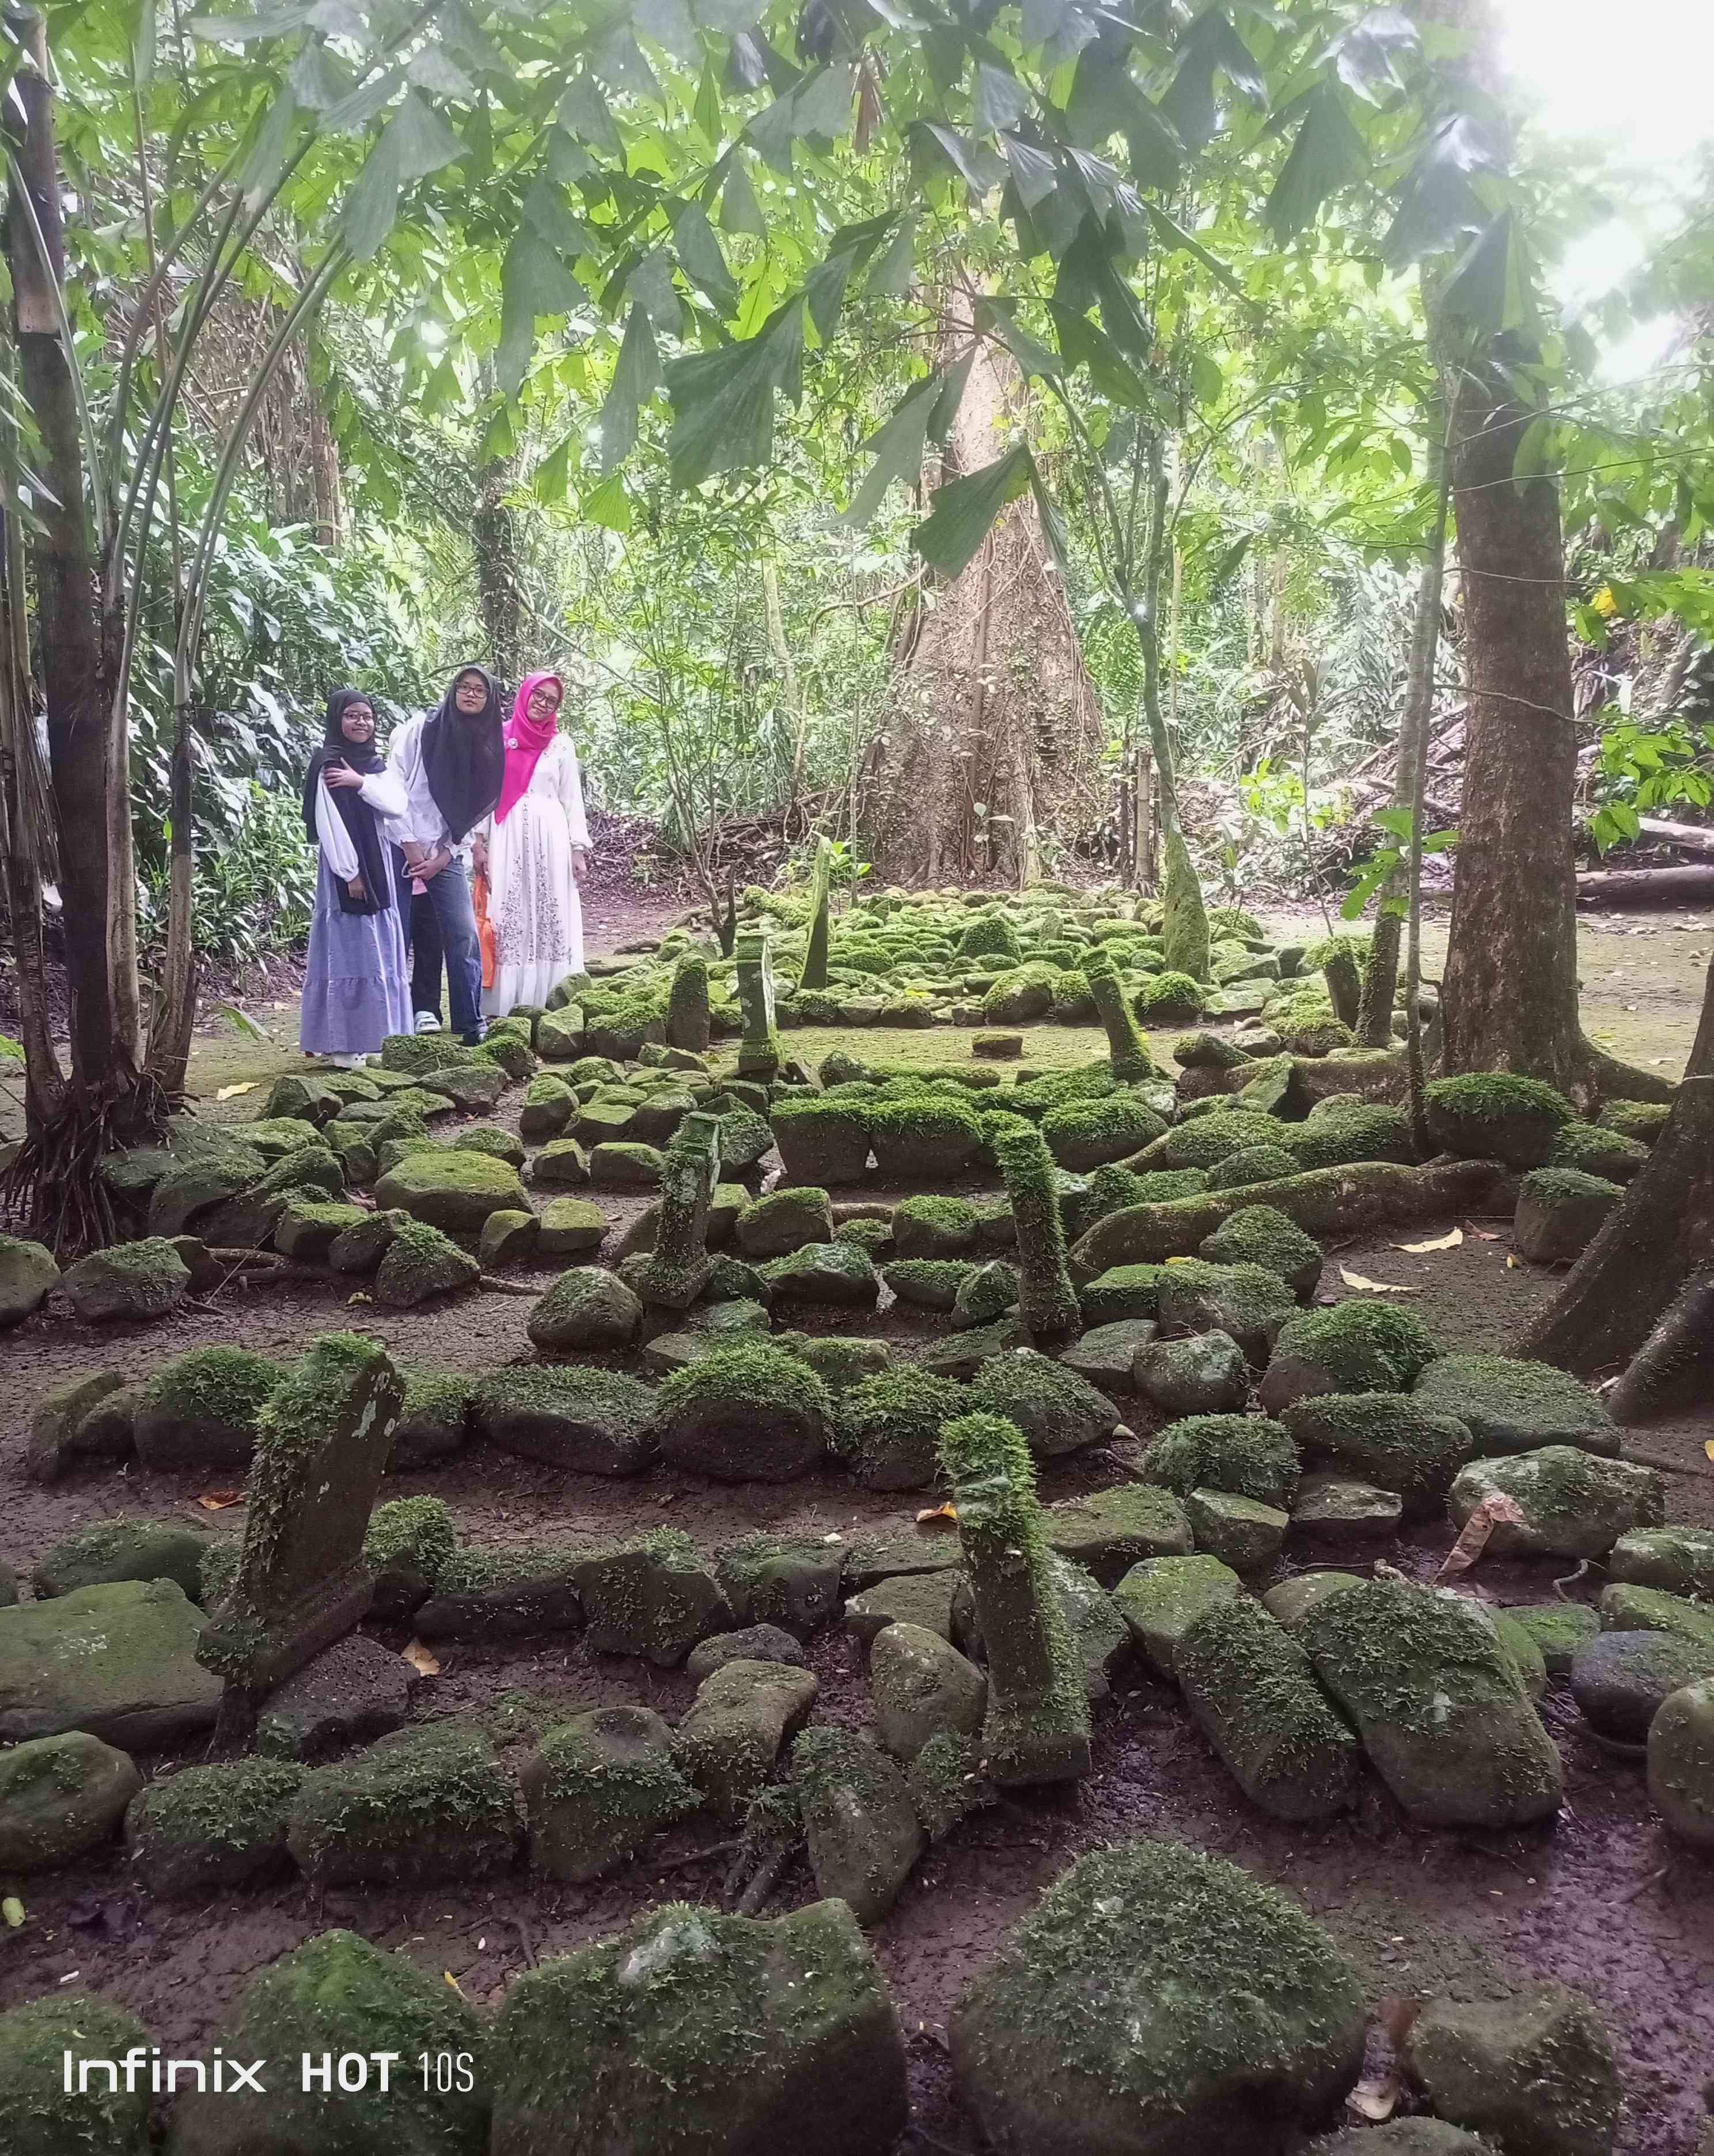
(486, 934)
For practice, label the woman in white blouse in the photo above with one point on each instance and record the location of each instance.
(356, 990)
(533, 848)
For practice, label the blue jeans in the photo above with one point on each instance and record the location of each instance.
(447, 900)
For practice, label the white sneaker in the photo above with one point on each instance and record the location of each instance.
(427, 1022)
(346, 1062)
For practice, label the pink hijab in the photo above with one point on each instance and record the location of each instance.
(525, 740)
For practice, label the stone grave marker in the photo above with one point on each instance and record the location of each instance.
(759, 1050)
(679, 1268)
(322, 1442)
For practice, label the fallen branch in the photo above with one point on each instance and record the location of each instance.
(1671, 886)
(1323, 1201)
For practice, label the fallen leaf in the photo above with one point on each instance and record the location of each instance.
(1450, 1241)
(1494, 1508)
(1708, 1446)
(1514, 1263)
(1375, 2098)
(1375, 1287)
(219, 1500)
(1481, 1234)
(420, 1659)
(12, 1910)
(231, 1092)
(938, 1516)
(452, 1981)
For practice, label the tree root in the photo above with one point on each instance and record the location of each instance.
(1675, 1366)
(1323, 1201)
(1604, 1077)
(273, 1265)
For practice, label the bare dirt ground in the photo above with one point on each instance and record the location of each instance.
(1599, 1898)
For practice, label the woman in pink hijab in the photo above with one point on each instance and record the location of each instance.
(533, 848)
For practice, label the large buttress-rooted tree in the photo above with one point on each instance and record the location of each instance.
(996, 723)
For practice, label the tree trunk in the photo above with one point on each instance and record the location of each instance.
(1648, 1251)
(88, 749)
(87, 737)
(1510, 990)
(1399, 895)
(995, 731)
(1185, 934)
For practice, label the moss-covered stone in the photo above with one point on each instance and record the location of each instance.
(923, 1688)
(409, 1544)
(784, 1221)
(421, 1805)
(1358, 1346)
(1386, 1438)
(116, 1660)
(1263, 1236)
(505, 1590)
(137, 1281)
(1558, 1630)
(1171, 997)
(1439, 1705)
(28, 1270)
(1246, 1454)
(792, 1581)
(63, 1414)
(584, 1420)
(838, 1275)
(1647, 1610)
(452, 1189)
(1157, 1999)
(1510, 1405)
(38, 2116)
(698, 2031)
(1252, 1693)
(1643, 1120)
(422, 1261)
(742, 1716)
(1682, 1764)
(597, 1787)
(1340, 1132)
(748, 1412)
(123, 1549)
(1572, 1504)
(1594, 1151)
(1494, 1115)
(821, 1142)
(1676, 1560)
(336, 1994)
(1537, 2072)
(930, 1228)
(1560, 1211)
(1122, 1291)
(889, 1426)
(652, 1594)
(210, 1828)
(435, 1419)
(202, 1408)
(1249, 1303)
(61, 1797)
(1057, 1411)
(1087, 1134)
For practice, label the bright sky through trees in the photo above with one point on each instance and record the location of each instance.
(1633, 83)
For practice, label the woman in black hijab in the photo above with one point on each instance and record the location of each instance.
(451, 763)
(354, 988)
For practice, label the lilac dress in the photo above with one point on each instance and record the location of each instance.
(356, 989)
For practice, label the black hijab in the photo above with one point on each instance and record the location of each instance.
(465, 758)
(354, 812)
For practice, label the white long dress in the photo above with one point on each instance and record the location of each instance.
(533, 901)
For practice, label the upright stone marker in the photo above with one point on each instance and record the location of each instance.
(678, 1268)
(759, 1050)
(1037, 1728)
(322, 1442)
(815, 973)
(1125, 1045)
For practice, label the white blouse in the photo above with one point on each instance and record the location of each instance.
(557, 776)
(385, 794)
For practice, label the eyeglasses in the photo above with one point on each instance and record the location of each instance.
(357, 714)
(544, 700)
